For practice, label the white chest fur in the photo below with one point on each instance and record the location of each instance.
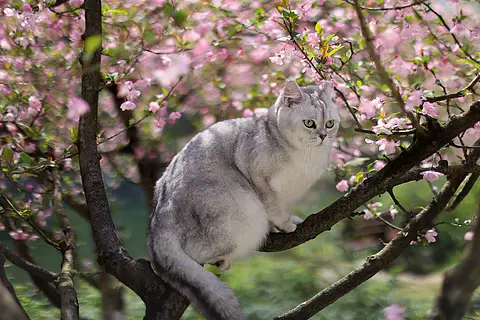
(300, 173)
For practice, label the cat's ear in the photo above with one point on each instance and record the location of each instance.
(292, 92)
(327, 89)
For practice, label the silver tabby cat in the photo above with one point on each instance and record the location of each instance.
(232, 184)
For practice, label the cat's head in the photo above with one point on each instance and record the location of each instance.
(307, 116)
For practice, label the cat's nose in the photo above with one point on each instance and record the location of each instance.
(322, 136)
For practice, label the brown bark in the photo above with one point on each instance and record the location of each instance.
(161, 301)
(65, 286)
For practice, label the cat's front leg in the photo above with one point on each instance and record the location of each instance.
(278, 215)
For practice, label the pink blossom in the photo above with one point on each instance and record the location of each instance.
(468, 235)
(201, 47)
(430, 235)
(379, 164)
(128, 105)
(27, 8)
(176, 67)
(247, 113)
(342, 186)
(431, 175)
(381, 128)
(369, 107)
(77, 107)
(414, 100)
(368, 214)
(277, 59)
(387, 145)
(76, 3)
(18, 234)
(430, 109)
(153, 106)
(160, 123)
(394, 312)
(393, 211)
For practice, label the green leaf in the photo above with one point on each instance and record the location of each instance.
(92, 43)
(180, 17)
(25, 158)
(7, 154)
(334, 50)
(476, 65)
(74, 134)
(319, 29)
(359, 177)
(328, 38)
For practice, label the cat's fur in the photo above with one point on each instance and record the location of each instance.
(219, 196)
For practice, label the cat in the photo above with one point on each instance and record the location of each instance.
(221, 195)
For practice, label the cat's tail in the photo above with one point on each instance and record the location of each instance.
(208, 294)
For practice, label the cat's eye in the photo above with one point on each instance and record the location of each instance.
(329, 124)
(310, 124)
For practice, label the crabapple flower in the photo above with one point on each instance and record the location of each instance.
(394, 312)
(128, 105)
(430, 109)
(431, 175)
(414, 100)
(342, 186)
(368, 215)
(77, 107)
(153, 107)
(277, 59)
(379, 165)
(369, 107)
(430, 235)
(387, 145)
(468, 236)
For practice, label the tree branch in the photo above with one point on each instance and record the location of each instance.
(26, 265)
(65, 285)
(379, 183)
(414, 3)
(460, 93)
(161, 300)
(8, 307)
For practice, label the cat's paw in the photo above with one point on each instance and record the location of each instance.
(289, 227)
(296, 220)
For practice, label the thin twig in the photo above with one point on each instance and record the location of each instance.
(342, 96)
(397, 203)
(415, 3)
(394, 132)
(460, 93)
